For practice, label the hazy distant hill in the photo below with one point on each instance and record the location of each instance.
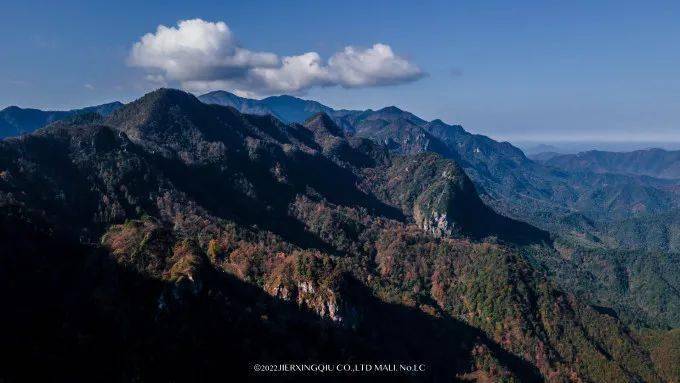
(544, 156)
(15, 121)
(651, 162)
(286, 108)
(532, 149)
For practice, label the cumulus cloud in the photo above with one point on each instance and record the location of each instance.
(196, 50)
(204, 56)
(370, 67)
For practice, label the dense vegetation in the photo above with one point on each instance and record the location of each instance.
(546, 196)
(176, 240)
(627, 222)
(637, 287)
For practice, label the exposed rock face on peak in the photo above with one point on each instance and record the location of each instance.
(444, 202)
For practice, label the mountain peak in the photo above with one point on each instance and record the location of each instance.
(322, 122)
(390, 109)
(220, 94)
(169, 94)
(11, 108)
(439, 128)
(392, 113)
(283, 97)
(160, 100)
(159, 113)
(286, 108)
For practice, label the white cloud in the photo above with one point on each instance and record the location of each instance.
(375, 66)
(157, 79)
(204, 56)
(88, 86)
(295, 74)
(196, 50)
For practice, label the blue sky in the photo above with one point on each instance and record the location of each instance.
(518, 70)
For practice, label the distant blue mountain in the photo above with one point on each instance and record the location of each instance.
(15, 121)
(657, 163)
(288, 109)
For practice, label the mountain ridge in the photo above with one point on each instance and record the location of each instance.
(547, 197)
(233, 231)
(15, 120)
(655, 162)
(499, 169)
(519, 188)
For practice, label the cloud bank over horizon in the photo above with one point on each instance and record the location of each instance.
(202, 56)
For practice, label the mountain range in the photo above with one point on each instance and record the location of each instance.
(657, 163)
(589, 212)
(174, 240)
(586, 210)
(15, 121)
(501, 171)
